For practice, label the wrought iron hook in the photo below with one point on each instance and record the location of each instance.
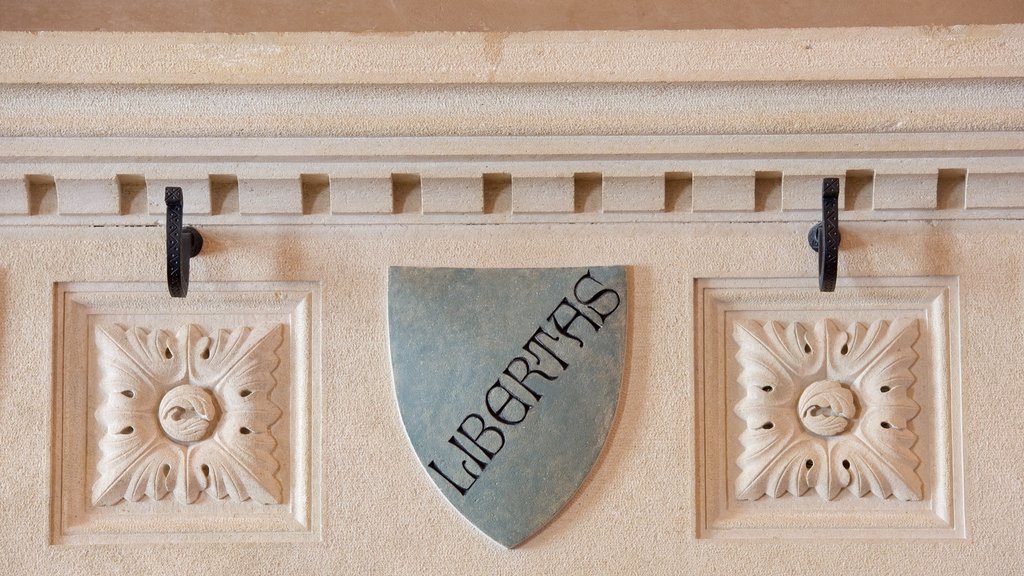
(182, 243)
(824, 237)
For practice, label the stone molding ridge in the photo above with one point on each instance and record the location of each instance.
(809, 54)
(758, 112)
(111, 181)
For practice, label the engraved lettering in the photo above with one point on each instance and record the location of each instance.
(489, 431)
(535, 339)
(521, 379)
(568, 309)
(462, 489)
(503, 400)
(607, 298)
(479, 463)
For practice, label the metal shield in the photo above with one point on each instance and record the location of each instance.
(507, 381)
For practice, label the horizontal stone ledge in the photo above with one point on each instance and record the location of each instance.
(788, 148)
(519, 110)
(320, 218)
(832, 54)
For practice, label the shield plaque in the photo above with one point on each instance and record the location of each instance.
(507, 382)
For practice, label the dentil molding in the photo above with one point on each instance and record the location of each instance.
(494, 180)
(324, 129)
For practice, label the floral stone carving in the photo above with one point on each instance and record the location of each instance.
(827, 407)
(187, 413)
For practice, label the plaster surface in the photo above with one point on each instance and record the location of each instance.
(637, 511)
(686, 56)
(351, 133)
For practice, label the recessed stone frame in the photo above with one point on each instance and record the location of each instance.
(828, 415)
(185, 420)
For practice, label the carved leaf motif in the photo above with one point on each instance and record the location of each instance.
(137, 367)
(882, 462)
(831, 450)
(878, 355)
(774, 461)
(777, 357)
(236, 464)
(137, 461)
(239, 365)
(238, 461)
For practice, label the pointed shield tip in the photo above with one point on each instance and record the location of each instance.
(507, 382)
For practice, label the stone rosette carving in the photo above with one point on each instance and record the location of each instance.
(187, 413)
(827, 407)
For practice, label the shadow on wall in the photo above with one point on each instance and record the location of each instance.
(237, 16)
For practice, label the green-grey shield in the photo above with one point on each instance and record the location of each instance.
(507, 382)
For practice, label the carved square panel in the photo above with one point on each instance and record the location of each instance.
(185, 419)
(828, 414)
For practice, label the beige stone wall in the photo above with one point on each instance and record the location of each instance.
(636, 513)
(308, 193)
(344, 59)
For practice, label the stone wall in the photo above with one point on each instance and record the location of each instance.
(705, 187)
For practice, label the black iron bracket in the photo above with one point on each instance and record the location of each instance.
(183, 242)
(824, 237)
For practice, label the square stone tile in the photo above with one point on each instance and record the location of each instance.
(828, 415)
(185, 419)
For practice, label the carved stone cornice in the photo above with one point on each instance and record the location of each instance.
(921, 123)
